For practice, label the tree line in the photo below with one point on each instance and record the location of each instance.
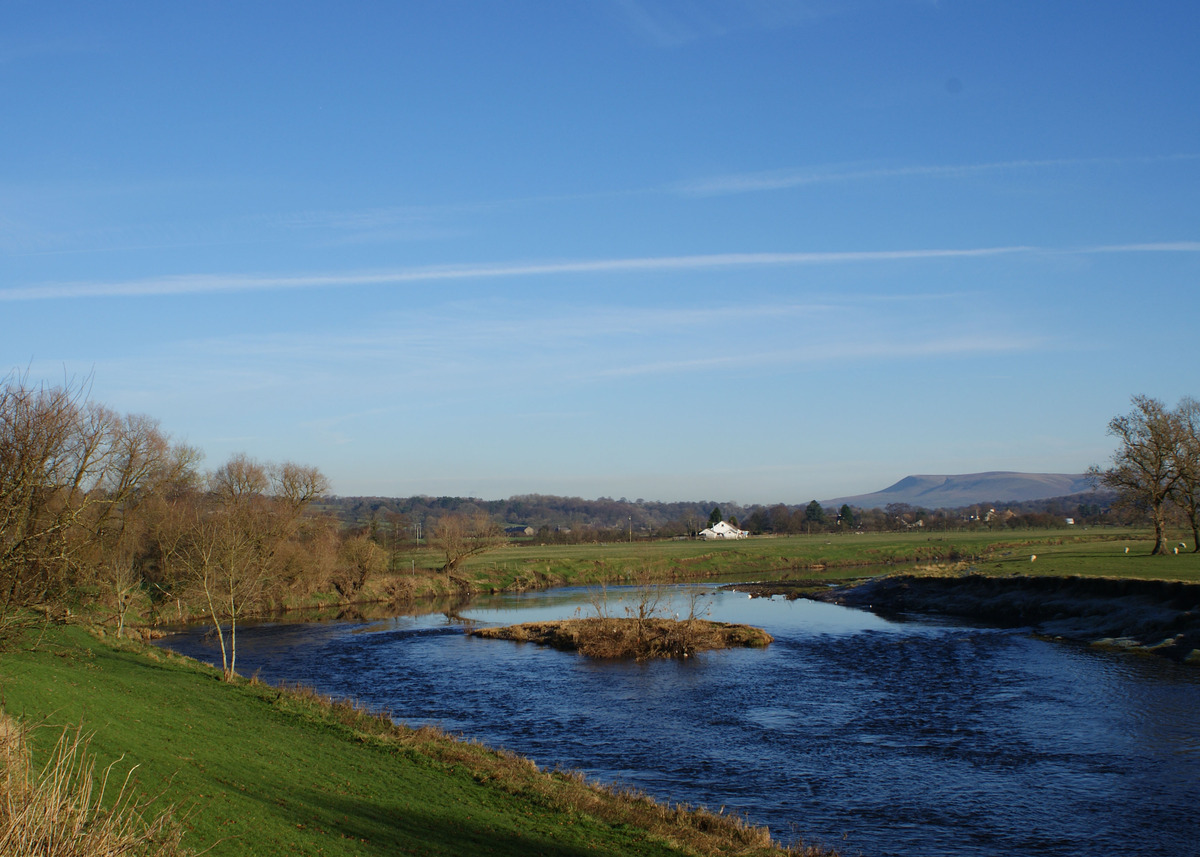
(408, 517)
(401, 523)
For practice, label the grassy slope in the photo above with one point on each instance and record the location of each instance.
(267, 773)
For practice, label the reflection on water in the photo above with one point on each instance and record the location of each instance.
(907, 738)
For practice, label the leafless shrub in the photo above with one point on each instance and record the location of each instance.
(598, 598)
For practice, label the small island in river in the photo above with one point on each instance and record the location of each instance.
(632, 638)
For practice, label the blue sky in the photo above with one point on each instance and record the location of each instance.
(751, 251)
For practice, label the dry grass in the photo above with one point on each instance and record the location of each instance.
(631, 638)
(62, 811)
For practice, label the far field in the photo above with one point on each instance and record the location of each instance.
(1062, 552)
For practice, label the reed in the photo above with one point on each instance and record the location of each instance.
(66, 809)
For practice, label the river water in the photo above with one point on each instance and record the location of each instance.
(918, 738)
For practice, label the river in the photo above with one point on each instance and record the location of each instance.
(917, 738)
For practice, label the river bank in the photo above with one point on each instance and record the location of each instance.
(1156, 617)
(251, 768)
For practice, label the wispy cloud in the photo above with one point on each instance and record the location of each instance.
(824, 353)
(669, 25)
(1160, 247)
(216, 283)
(769, 180)
(229, 283)
(471, 348)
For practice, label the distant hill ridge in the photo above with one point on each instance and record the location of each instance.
(955, 491)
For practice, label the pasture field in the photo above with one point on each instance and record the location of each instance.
(1066, 551)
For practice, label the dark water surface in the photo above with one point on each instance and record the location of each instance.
(913, 738)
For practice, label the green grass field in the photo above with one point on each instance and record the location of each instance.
(1064, 551)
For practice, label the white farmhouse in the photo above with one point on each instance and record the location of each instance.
(723, 530)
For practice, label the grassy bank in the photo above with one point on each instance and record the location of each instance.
(255, 770)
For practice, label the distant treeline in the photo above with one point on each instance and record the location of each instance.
(410, 516)
(552, 518)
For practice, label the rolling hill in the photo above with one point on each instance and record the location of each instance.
(935, 492)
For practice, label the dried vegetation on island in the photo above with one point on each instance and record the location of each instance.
(642, 633)
(630, 638)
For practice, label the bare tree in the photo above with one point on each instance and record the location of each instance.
(144, 471)
(1187, 488)
(73, 475)
(358, 559)
(124, 581)
(459, 536)
(170, 520)
(1145, 468)
(217, 555)
(45, 471)
(88, 496)
(647, 603)
(295, 485)
(239, 482)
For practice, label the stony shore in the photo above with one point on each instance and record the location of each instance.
(1149, 616)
